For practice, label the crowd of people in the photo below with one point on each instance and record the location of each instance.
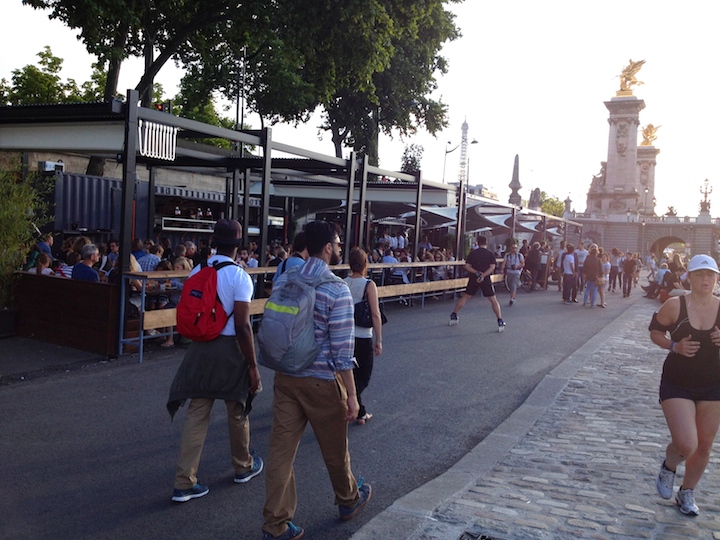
(592, 271)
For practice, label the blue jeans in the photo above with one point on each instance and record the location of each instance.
(591, 290)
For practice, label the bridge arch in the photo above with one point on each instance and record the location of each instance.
(594, 236)
(663, 242)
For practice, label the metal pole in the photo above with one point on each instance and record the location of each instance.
(459, 240)
(418, 213)
(129, 161)
(349, 196)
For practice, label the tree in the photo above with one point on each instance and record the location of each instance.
(551, 205)
(411, 158)
(40, 84)
(398, 98)
(192, 103)
(298, 54)
(24, 209)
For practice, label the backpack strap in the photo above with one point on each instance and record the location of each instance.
(218, 266)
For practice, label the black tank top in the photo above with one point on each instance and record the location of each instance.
(703, 369)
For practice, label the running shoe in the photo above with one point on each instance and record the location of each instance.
(686, 500)
(501, 325)
(184, 495)
(453, 319)
(664, 482)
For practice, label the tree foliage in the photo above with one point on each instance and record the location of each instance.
(551, 205)
(399, 97)
(22, 212)
(412, 158)
(370, 64)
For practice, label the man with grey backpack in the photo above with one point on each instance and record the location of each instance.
(322, 393)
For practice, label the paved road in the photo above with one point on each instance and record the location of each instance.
(90, 453)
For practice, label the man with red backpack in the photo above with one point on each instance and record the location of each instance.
(219, 364)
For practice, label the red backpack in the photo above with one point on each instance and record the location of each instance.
(200, 314)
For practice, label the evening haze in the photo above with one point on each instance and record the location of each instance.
(530, 78)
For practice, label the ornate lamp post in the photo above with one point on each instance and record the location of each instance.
(705, 203)
(627, 244)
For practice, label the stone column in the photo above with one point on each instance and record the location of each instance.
(622, 183)
(645, 174)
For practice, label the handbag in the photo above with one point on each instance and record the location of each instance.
(363, 315)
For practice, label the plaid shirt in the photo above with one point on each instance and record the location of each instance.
(334, 324)
(149, 262)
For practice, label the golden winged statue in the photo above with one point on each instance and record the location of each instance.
(649, 134)
(628, 79)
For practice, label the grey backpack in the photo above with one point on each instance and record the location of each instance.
(286, 337)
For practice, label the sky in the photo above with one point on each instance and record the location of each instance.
(530, 78)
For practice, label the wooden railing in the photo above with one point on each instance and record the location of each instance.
(419, 287)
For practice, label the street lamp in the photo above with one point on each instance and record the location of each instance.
(647, 190)
(445, 160)
(450, 152)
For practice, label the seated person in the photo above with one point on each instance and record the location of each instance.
(160, 300)
(149, 262)
(84, 270)
(672, 284)
(64, 269)
(176, 284)
(42, 266)
(653, 288)
(44, 245)
(395, 274)
(439, 272)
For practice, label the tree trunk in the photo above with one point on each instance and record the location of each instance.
(96, 165)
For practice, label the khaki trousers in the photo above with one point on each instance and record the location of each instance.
(297, 401)
(193, 440)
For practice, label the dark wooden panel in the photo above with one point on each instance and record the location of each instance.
(68, 312)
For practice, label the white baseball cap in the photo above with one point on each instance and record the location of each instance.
(703, 262)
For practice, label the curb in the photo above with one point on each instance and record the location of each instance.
(408, 516)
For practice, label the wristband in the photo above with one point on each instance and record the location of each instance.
(671, 348)
(478, 274)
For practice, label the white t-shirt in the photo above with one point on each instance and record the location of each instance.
(581, 256)
(45, 271)
(233, 285)
(513, 259)
(569, 264)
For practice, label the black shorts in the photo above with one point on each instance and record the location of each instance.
(485, 286)
(699, 393)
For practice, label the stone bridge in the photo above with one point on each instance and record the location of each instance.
(646, 234)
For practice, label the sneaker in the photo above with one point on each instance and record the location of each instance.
(349, 512)
(184, 495)
(256, 469)
(686, 500)
(293, 532)
(664, 482)
(512, 301)
(453, 319)
(501, 325)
